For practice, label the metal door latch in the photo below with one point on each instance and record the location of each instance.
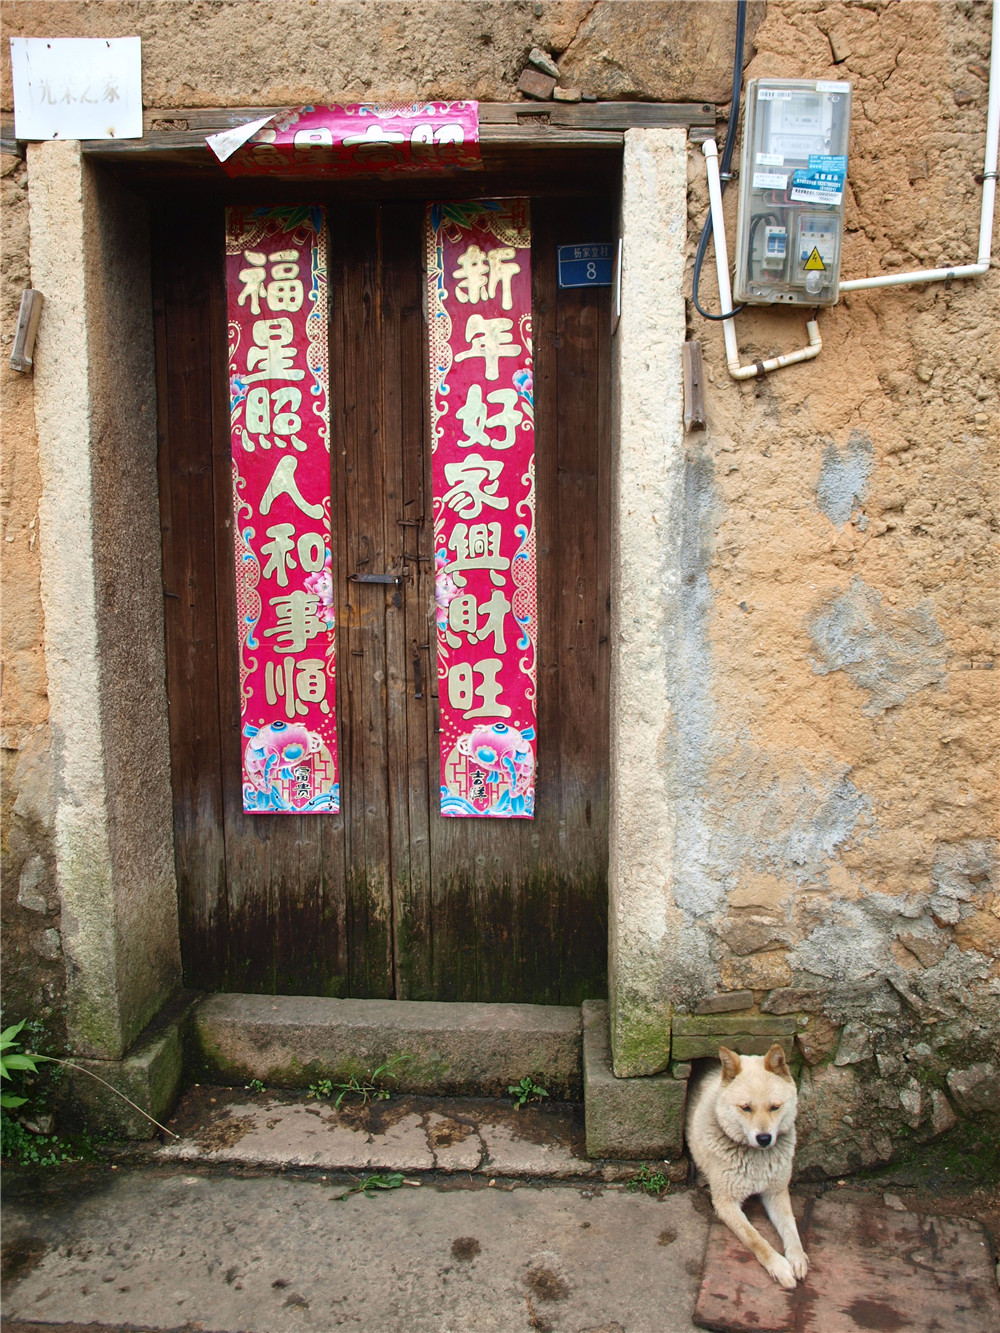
(396, 579)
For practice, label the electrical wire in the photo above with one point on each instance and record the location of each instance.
(725, 159)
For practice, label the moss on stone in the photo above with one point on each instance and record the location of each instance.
(759, 1025)
(640, 1038)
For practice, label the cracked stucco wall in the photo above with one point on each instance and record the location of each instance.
(843, 808)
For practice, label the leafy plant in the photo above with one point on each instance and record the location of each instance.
(11, 1058)
(256, 1085)
(526, 1091)
(18, 1142)
(27, 1149)
(648, 1181)
(390, 1180)
(370, 1088)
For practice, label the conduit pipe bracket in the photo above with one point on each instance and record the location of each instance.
(738, 371)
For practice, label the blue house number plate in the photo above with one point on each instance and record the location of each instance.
(585, 265)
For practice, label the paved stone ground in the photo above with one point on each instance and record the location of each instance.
(234, 1228)
(871, 1266)
(405, 1133)
(162, 1248)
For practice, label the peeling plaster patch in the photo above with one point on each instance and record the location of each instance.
(964, 870)
(890, 653)
(893, 908)
(767, 811)
(847, 947)
(850, 947)
(843, 477)
(952, 988)
(962, 873)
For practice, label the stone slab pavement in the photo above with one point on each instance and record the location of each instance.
(870, 1267)
(504, 1224)
(405, 1133)
(166, 1248)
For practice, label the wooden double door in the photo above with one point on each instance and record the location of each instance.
(387, 898)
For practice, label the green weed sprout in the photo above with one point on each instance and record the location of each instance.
(526, 1091)
(648, 1181)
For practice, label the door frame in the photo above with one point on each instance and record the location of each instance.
(101, 592)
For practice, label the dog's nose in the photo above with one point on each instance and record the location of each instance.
(764, 1140)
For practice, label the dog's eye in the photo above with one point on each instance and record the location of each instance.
(746, 1109)
(776, 1108)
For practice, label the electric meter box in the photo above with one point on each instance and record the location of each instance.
(792, 176)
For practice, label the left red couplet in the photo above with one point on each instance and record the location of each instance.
(279, 412)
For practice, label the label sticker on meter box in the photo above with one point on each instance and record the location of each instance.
(817, 187)
(815, 262)
(585, 265)
(822, 182)
(769, 180)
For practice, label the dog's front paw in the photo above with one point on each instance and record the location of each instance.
(799, 1261)
(782, 1272)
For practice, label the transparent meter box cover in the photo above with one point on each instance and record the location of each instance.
(792, 176)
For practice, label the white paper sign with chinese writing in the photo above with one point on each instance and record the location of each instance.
(77, 87)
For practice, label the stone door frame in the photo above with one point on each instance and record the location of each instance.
(95, 410)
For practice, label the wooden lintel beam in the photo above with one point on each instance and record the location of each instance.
(569, 115)
(178, 133)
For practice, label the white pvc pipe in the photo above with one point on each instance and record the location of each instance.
(738, 372)
(989, 195)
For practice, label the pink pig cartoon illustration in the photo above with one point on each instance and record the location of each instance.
(278, 747)
(505, 752)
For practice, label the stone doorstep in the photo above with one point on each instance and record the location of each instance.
(473, 1050)
(453, 1050)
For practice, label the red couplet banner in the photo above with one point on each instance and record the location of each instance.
(276, 284)
(362, 140)
(483, 442)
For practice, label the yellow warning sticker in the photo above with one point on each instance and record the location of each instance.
(814, 262)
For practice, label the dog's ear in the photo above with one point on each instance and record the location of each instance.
(730, 1064)
(774, 1062)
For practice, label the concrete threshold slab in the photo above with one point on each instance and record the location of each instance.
(447, 1049)
(283, 1130)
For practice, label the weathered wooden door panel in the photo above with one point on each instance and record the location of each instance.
(184, 319)
(387, 898)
